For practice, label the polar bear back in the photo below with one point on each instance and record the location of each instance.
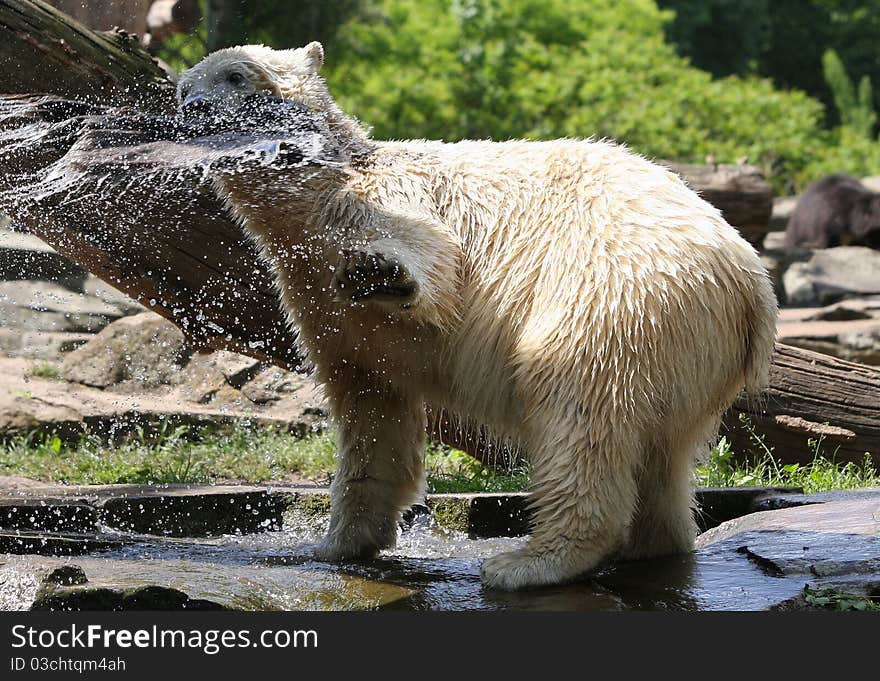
(579, 257)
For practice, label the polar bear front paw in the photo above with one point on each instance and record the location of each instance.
(333, 551)
(362, 276)
(529, 568)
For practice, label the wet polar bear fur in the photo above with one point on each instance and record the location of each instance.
(571, 295)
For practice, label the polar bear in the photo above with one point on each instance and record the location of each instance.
(571, 295)
(226, 78)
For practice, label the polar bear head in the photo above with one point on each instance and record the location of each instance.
(226, 78)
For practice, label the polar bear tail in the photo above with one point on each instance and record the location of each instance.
(760, 337)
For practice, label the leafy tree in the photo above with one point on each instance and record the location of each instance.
(277, 23)
(724, 37)
(780, 39)
(856, 109)
(454, 69)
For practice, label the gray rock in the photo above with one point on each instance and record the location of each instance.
(195, 513)
(47, 515)
(29, 401)
(98, 288)
(776, 264)
(180, 584)
(207, 376)
(775, 241)
(46, 306)
(849, 330)
(21, 413)
(45, 345)
(782, 209)
(25, 256)
(833, 274)
(54, 544)
(143, 351)
(845, 513)
(271, 384)
(86, 597)
(872, 183)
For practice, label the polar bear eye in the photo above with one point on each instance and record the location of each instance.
(235, 79)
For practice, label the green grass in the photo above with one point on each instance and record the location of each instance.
(820, 475)
(761, 468)
(452, 470)
(45, 370)
(248, 455)
(241, 455)
(832, 599)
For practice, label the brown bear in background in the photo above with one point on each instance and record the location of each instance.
(837, 210)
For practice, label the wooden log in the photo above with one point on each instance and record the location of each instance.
(129, 15)
(740, 192)
(169, 245)
(44, 50)
(811, 397)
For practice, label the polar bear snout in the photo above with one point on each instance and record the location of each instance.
(196, 104)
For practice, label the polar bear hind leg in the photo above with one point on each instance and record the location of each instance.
(584, 497)
(664, 523)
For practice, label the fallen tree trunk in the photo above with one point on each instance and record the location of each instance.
(185, 258)
(44, 50)
(815, 397)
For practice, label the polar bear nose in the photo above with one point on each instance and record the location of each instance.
(196, 104)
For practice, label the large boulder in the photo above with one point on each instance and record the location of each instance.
(25, 256)
(217, 377)
(783, 207)
(849, 330)
(143, 351)
(833, 274)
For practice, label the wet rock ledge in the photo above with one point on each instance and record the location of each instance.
(203, 510)
(127, 547)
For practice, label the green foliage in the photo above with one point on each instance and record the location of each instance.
(45, 370)
(541, 69)
(452, 470)
(780, 39)
(241, 454)
(173, 455)
(832, 599)
(724, 37)
(280, 24)
(843, 150)
(724, 469)
(856, 109)
(184, 49)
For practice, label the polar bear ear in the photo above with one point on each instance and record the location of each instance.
(314, 56)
